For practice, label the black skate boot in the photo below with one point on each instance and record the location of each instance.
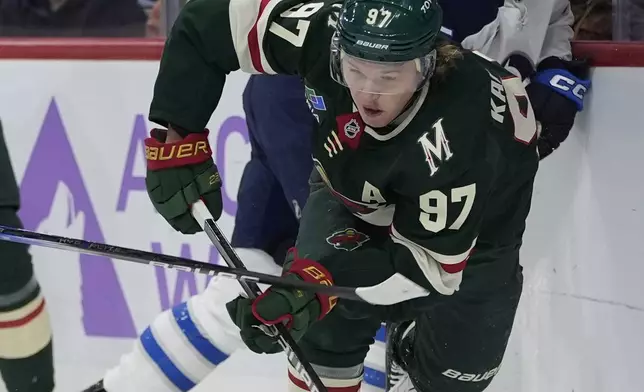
(98, 387)
(399, 340)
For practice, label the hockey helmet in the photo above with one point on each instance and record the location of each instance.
(385, 35)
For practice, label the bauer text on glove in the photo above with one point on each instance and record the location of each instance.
(179, 174)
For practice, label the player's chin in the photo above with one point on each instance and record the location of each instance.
(376, 118)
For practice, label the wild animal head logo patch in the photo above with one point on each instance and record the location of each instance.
(347, 239)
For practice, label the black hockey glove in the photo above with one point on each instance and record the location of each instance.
(179, 174)
(519, 65)
(557, 93)
(298, 309)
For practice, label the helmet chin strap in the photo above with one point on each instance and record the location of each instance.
(423, 71)
(408, 107)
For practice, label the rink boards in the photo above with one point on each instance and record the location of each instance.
(75, 130)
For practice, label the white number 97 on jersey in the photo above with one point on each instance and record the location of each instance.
(300, 11)
(435, 208)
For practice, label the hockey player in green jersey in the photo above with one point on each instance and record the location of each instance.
(425, 158)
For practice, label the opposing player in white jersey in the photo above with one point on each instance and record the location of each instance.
(533, 38)
(184, 344)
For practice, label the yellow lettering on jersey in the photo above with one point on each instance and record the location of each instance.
(372, 194)
(497, 90)
(436, 150)
(333, 144)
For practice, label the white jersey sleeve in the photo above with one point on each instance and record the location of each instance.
(535, 28)
(560, 33)
(183, 345)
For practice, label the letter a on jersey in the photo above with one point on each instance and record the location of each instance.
(371, 194)
(436, 150)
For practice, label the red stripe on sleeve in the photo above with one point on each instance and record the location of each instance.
(454, 268)
(458, 267)
(300, 384)
(254, 46)
(24, 320)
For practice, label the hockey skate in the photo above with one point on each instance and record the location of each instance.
(98, 387)
(399, 339)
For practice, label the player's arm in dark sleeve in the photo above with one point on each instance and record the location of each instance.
(435, 227)
(438, 221)
(212, 38)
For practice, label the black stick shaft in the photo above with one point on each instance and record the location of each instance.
(292, 350)
(166, 261)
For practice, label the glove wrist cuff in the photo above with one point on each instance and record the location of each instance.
(551, 63)
(564, 83)
(191, 150)
(314, 272)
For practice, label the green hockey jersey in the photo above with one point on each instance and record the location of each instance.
(453, 177)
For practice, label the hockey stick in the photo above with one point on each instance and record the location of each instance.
(292, 350)
(393, 290)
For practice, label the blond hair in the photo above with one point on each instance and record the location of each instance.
(446, 56)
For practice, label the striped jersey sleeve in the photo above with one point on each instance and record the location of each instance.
(270, 35)
(212, 38)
